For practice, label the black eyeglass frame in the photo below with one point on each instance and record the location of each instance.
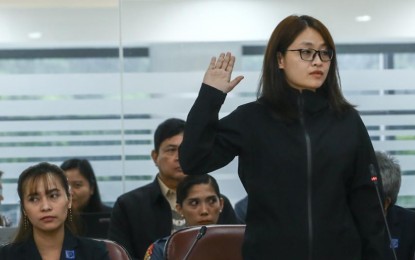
(329, 51)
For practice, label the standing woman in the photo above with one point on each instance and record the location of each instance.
(304, 152)
(45, 230)
(84, 187)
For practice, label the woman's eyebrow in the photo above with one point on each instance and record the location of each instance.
(52, 190)
(311, 44)
(32, 194)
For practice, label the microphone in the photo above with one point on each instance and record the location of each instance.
(374, 179)
(202, 232)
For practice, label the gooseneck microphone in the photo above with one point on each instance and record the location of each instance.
(374, 179)
(202, 232)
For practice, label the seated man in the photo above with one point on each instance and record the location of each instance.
(401, 221)
(143, 215)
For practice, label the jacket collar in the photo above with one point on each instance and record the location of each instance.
(155, 191)
(30, 251)
(312, 102)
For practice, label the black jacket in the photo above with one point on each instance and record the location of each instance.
(310, 195)
(73, 248)
(402, 228)
(143, 215)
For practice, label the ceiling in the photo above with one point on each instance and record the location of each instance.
(28, 23)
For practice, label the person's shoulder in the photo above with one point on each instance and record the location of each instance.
(10, 251)
(397, 214)
(105, 208)
(249, 112)
(93, 245)
(5, 250)
(242, 202)
(403, 211)
(139, 193)
(350, 114)
(156, 250)
(251, 106)
(6, 247)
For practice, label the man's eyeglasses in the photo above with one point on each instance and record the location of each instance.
(310, 54)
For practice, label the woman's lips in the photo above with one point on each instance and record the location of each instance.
(48, 219)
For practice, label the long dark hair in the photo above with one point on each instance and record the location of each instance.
(273, 87)
(28, 179)
(85, 168)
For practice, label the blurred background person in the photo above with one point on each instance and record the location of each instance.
(94, 216)
(46, 230)
(84, 187)
(401, 221)
(200, 203)
(4, 221)
(240, 209)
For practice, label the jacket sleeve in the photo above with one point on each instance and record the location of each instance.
(119, 230)
(208, 143)
(156, 250)
(365, 202)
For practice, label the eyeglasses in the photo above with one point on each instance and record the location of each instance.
(310, 54)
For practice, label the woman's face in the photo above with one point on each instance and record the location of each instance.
(80, 188)
(45, 204)
(301, 74)
(202, 206)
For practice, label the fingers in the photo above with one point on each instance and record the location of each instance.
(230, 62)
(224, 61)
(212, 63)
(219, 63)
(235, 81)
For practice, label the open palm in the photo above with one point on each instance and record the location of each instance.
(219, 73)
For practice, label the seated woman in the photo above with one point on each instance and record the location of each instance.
(45, 230)
(85, 193)
(199, 202)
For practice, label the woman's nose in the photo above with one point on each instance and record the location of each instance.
(45, 205)
(204, 209)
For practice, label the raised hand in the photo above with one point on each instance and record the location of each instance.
(219, 73)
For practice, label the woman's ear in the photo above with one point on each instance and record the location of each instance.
(280, 59)
(179, 209)
(221, 201)
(387, 203)
(21, 206)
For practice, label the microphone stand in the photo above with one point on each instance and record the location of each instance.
(202, 232)
(374, 179)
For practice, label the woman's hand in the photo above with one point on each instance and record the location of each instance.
(219, 73)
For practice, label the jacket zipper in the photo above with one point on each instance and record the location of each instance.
(309, 177)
